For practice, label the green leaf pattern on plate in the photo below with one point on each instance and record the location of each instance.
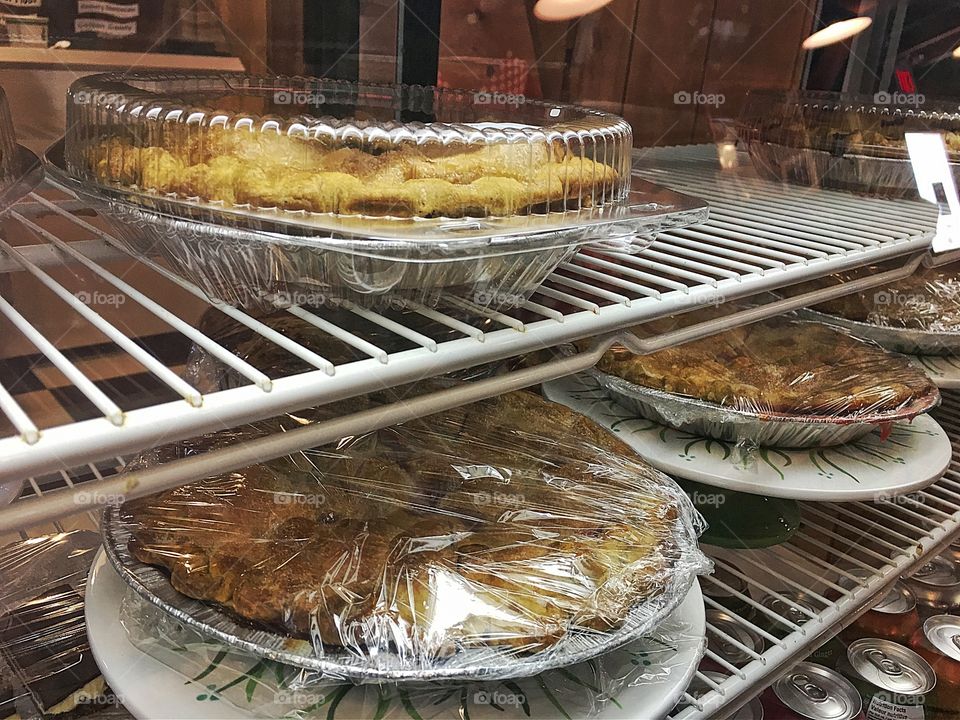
(267, 686)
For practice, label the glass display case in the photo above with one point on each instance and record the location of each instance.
(479, 359)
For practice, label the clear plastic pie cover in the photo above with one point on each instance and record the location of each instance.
(845, 124)
(317, 146)
(503, 529)
(844, 142)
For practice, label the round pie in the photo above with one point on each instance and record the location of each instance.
(509, 523)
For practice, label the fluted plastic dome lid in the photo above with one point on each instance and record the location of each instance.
(312, 146)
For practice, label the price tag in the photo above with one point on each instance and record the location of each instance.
(935, 182)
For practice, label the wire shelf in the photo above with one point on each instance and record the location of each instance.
(761, 237)
(867, 545)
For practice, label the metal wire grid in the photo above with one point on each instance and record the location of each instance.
(867, 545)
(761, 237)
(86, 476)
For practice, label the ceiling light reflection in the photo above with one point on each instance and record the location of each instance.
(556, 10)
(837, 32)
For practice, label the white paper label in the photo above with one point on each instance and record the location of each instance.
(881, 709)
(935, 183)
(106, 28)
(101, 7)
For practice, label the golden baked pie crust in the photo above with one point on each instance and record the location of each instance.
(265, 170)
(408, 544)
(778, 367)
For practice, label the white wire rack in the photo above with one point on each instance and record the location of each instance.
(761, 237)
(842, 559)
(863, 546)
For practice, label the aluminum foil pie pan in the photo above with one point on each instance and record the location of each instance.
(267, 263)
(841, 141)
(903, 340)
(153, 585)
(707, 419)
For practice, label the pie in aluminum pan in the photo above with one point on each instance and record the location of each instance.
(274, 171)
(512, 525)
(776, 382)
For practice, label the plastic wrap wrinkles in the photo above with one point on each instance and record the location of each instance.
(778, 382)
(45, 659)
(917, 315)
(272, 690)
(490, 540)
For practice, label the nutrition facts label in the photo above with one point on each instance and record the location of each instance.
(882, 709)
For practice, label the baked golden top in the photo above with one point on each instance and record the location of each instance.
(266, 170)
(506, 523)
(779, 367)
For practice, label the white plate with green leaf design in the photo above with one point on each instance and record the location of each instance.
(914, 455)
(944, 370)
(641, 681)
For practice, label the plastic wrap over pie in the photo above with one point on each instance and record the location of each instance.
(928, 300)
(319, 146)
(784, 369)
(508, 524)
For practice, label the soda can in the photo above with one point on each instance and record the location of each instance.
(952, 552)
(893, 680)
(812, 692)
(938, 642)
(894, 616)
(936, 586)
(722, 596)
(731, 626)
(790, 605)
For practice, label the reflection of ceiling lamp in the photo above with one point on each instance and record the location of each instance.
(554, 10)
(956, 52)
(837, 32)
